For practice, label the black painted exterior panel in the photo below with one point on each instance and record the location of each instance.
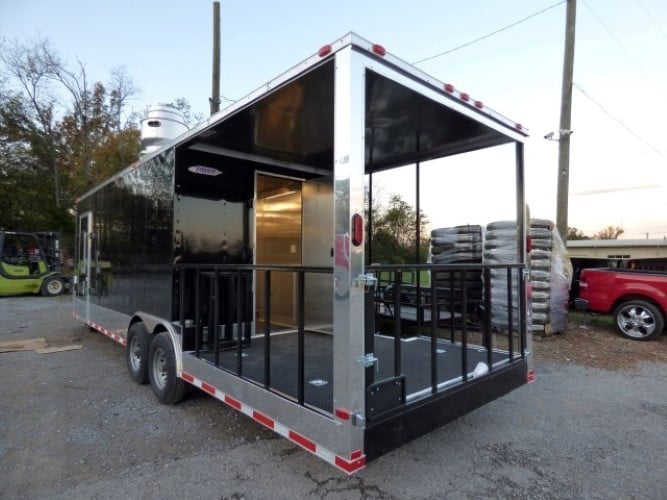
(132, 244)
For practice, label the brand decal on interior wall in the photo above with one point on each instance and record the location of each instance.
(203, 170)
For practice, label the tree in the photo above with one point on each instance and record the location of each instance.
(189, 118)
(121, 89)
(576, 234)
(60, 134)
(29, 109)
(609, 233)
(394, 238)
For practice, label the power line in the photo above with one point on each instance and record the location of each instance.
(628, 129)
(650, 16)
(618, 40)
(492, 33)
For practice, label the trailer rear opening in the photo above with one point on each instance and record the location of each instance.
(237, 258)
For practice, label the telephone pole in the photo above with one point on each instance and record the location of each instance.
(215, 83)
(565, 122)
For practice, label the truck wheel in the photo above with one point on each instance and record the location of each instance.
(638, 319)
(136, 353)
(167, 387)
(52, 286)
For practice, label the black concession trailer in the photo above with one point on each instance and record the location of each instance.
(236, 259)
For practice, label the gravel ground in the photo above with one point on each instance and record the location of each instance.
(73, 425)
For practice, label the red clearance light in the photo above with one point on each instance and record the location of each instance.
(357, 230)
(465, 96)
(529, 244)
(379, 50)
(449, 87)
(325, 50)
(479, 104)
(518, 126)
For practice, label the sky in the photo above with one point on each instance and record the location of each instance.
(618, 158)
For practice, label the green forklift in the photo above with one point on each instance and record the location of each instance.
(24, 267)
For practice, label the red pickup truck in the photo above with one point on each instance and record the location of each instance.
(638, 299)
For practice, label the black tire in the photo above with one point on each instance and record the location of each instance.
(541, 223)
(136, 353)
(167, 387)
(638, 320)
(501, 224)
(52, 286)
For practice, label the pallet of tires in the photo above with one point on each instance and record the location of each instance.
(458, 245)
(500, 247)
(550, 275)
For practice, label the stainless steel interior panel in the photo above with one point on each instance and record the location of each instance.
(317, 252)
(278, 237)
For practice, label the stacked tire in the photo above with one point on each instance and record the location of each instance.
(550, 276)
(500, 247)
(540, 232)
(458, 245)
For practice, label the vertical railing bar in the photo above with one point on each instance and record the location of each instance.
(452, 308)
(398, 276)
(435, 316)
(181, 300)
(464, 329)
(216, 316)
(510, 319)
(197, 314)
(301, 335)
(370, 298)
(267, 328)
(522, 313)
(488, 341)
(418, 302)
(229, 317)
(239, 322)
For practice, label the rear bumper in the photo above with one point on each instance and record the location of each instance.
(581, 304)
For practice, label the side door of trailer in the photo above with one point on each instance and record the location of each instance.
(84, 268)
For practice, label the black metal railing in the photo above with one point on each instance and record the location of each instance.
(474, 312)
(215, 307)
(462, 304)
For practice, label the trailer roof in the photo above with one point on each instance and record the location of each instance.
(284, 122)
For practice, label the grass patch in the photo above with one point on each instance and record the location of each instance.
(591, 319)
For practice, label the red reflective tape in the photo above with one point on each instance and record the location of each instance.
(263, 419)
(343, 413)
(187, 377)
(355, 454)
(233, 402)
(302, 441)
(208, 388)
(351, 465)
(531, 376)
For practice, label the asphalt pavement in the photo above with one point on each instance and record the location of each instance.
(73, 425)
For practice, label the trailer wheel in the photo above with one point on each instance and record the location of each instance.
(136, 353)
(166, 385)
(638, 320)
(52, 286)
